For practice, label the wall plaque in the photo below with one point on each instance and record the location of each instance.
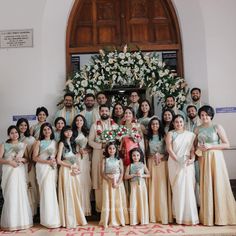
(16, 38)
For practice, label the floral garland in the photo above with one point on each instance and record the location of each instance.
(125, 68)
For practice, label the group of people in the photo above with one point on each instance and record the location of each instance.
(141, 168)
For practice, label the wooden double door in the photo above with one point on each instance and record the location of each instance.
(150, 25)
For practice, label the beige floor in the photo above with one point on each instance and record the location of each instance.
(152, 229)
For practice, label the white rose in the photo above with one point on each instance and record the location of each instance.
(99, 83)
(110, 61)
(121, 55)
(140, 62)
(90, 91)
(127, 54)
(107, 69)
(84, 83)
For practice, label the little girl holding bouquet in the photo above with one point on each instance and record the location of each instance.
(114, 204)
(136, 172)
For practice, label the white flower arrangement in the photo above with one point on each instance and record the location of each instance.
(124, 68)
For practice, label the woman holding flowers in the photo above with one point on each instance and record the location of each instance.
(16, 212)
(136, 172)
(159, 188)
(133, 138)
(217, 203)
(181, 172)
(69, 186)
(80, 133)
(29, 140)
(46, 173)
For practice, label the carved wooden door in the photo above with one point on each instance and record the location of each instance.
(151, 25)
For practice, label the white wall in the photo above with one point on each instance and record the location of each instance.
(32, 77)
(208, 37)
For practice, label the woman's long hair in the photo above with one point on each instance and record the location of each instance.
(84, 128)
(64, 141)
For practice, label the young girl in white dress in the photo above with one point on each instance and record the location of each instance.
(16, 211)
(138, 203)
(114, 204)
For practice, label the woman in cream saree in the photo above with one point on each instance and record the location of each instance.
(69, 185)
(181, 173)
(16, 212)
(46, 174)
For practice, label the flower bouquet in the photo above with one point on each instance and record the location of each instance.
(108, 136)
(17, 154)
(135, 135)
(82, 144)
(50, 152)
(121, 132)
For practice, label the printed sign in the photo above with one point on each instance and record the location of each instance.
(226, 110)
(16, 38)
(28, 117)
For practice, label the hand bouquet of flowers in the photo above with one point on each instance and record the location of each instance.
(121, 132)
(50, 152)
(82, 143)
(135, 135)
(108, 136)
(17, 150)
(75, 166)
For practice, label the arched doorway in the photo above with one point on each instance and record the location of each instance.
(150, 25)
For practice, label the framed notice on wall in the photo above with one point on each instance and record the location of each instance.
(75, 62)
(170, 59)
(16, 38)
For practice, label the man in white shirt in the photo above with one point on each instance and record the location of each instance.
(68, 112)
(90, 113)
(193, 119)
